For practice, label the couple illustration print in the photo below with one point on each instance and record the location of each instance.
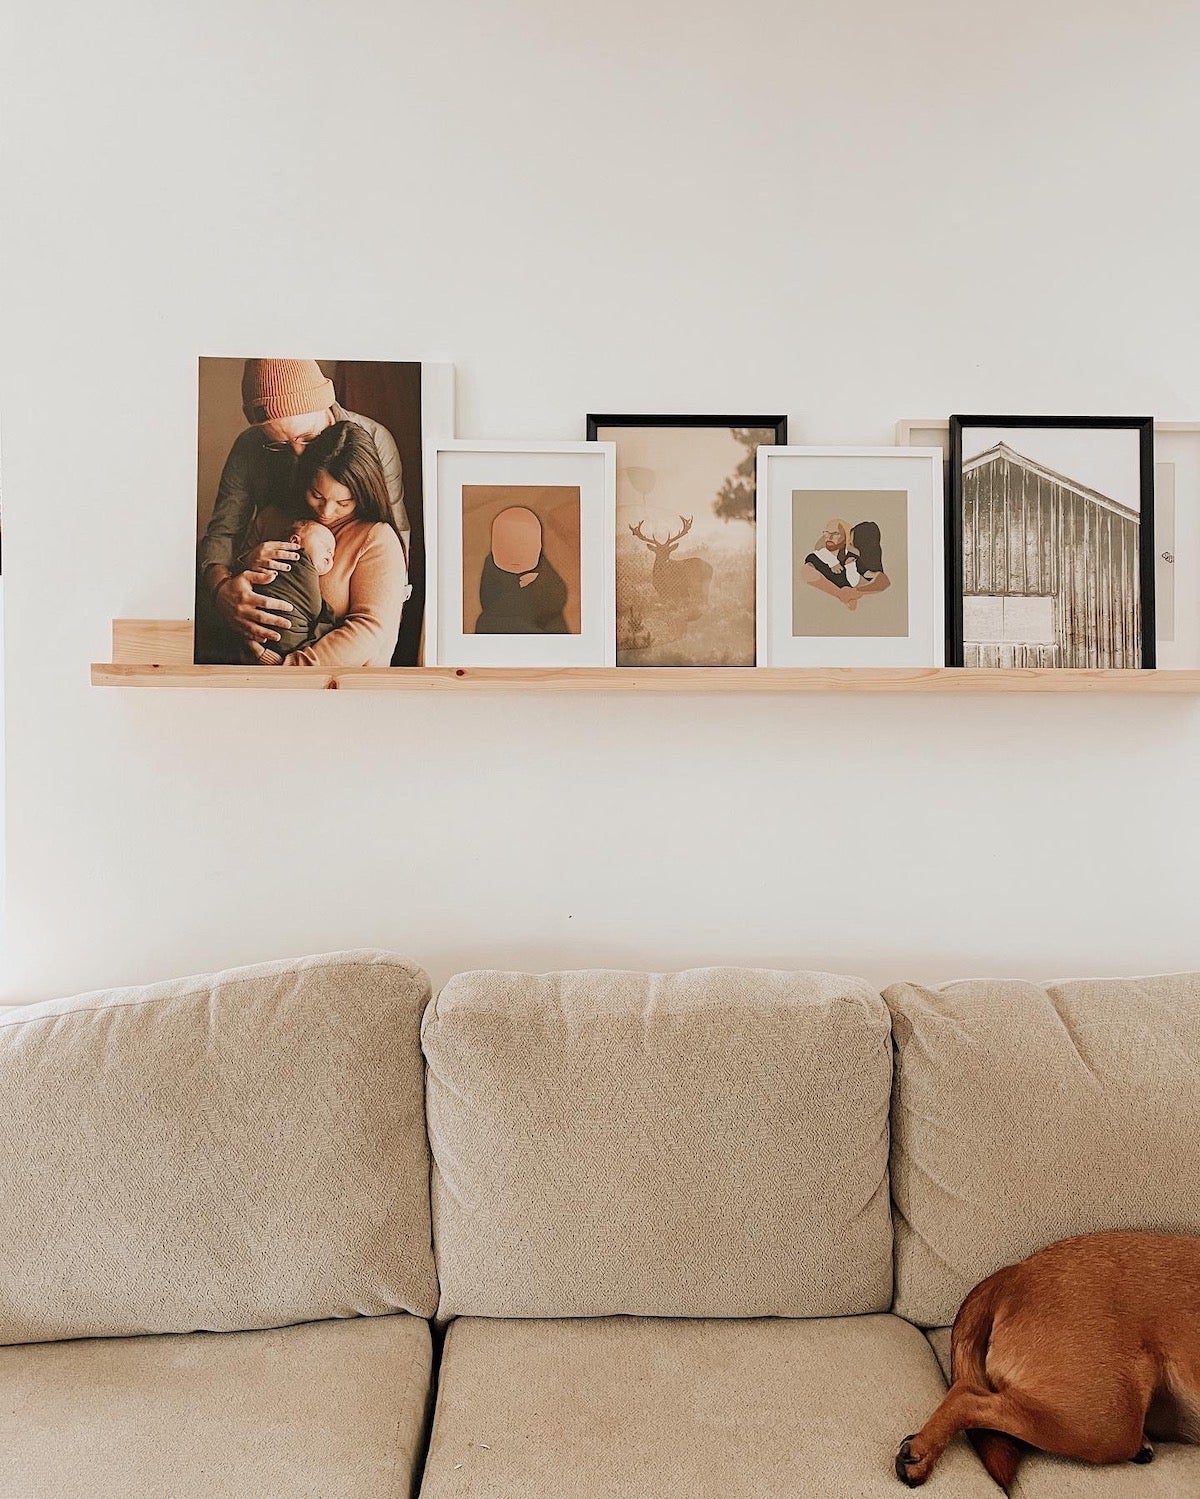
(849, 562)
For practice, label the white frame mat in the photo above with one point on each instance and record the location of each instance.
(592, 466)
(917, 471)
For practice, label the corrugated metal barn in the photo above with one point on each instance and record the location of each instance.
(1050, 568)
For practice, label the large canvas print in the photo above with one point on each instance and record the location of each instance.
(310, 526)
(686, 520)
(1050, 539)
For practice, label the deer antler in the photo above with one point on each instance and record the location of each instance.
(640, 534)
(679, 535)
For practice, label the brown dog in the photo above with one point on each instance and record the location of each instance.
(1087, 1349)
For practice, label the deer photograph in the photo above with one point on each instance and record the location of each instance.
(681, 583)
(685, 540)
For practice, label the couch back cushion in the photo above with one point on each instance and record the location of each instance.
(710, 1143)
(1025, 1113)
(236, 1151)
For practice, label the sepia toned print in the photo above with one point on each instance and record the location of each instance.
(685, 560)
(849, 562)
(1051, 547)
(522, 561)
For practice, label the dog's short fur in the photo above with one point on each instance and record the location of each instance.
(1088, 1348)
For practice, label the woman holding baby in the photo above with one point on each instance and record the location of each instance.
(338, 526)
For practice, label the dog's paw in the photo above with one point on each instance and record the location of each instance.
(911, 1468)
(1144, 1454)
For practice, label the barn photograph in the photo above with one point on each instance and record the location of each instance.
(1049, 538)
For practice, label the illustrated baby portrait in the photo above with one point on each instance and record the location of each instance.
(522, 560)
(849, 562)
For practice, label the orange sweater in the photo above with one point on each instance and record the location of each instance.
(365, 588)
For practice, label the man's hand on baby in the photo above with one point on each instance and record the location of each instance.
(278, 555)
(254, 616)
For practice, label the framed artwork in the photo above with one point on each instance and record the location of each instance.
(1050, 542)
(685, 548)
(850, 556)
(524, 554)
(310, 487)
(1176, 531)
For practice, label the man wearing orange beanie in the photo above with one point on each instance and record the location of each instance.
(287, 402)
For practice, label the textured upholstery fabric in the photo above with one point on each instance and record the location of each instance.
(237, 1151)
(1174, 1472)
(328, 1410)
(1023, 1114)
(644, 1408)
(710, 1143)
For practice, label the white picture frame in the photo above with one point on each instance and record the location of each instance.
(785, 474)
(1176, 530)
(588, 466)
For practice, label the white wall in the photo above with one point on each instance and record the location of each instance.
(851, 212)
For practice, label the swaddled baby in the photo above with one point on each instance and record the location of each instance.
(311, 616)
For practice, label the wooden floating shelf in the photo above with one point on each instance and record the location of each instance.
(158, 653)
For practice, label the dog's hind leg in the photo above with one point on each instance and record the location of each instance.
(1104, 1432)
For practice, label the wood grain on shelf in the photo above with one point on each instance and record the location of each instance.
(158, 653)
(152, 641)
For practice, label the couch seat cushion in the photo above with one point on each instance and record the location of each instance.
(1175, 1470)
(655, 1408)
(328, 1410)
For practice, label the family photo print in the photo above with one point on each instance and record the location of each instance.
(309, 509)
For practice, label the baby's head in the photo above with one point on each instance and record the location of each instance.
(316, 542)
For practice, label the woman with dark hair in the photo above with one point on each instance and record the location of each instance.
(864, 559)
(340, 483)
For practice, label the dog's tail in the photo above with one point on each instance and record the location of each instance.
(971, 1332)
(998, 1452)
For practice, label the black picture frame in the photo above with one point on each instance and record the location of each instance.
(1144, 612)
(633, 651)
(631, 419)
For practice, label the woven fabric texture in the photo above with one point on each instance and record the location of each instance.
(330, 1410)
(236, 1151)
(609, 1408)
(1024, 1113)
(710, 1143)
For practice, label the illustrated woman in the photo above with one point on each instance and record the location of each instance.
(340, 483)
(520, 591)
(864, 559)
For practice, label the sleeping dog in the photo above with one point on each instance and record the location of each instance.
(1088, 1348)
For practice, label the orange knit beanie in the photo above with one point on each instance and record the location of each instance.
(275, 388)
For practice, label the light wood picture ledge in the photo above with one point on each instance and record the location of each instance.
(158, 653)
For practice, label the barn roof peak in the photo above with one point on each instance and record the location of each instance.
(1001, 452)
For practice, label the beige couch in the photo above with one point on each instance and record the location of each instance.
(660, 1251)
